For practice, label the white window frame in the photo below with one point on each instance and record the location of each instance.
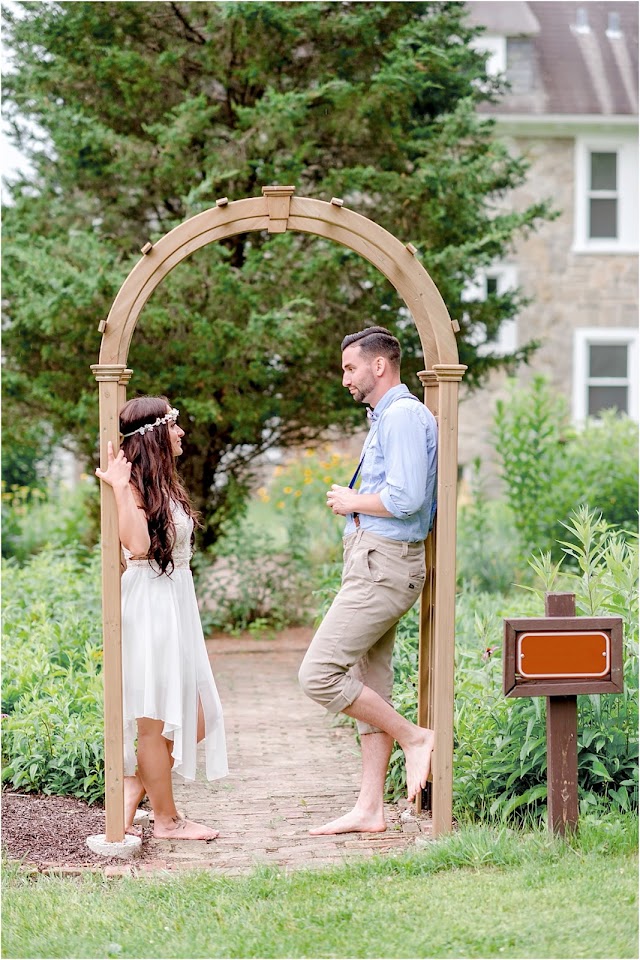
(626, 150)
(506, 275)
(496, 47)
(586, 337)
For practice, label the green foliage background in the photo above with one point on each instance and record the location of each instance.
(550, 468)
(146, 113)
(52, 690)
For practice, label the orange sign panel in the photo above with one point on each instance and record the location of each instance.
(545, 654)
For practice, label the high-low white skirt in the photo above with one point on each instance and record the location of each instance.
(166, 668)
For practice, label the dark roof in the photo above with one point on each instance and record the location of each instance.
(582, 59)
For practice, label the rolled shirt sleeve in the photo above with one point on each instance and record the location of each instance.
(407, 459)
(399, 463)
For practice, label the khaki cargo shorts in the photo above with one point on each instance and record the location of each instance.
(353, 646)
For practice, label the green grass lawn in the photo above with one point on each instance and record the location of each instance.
(478, 893)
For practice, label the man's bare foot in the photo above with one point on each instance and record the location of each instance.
(418, 761)
(133, 796)
(353, 822)
(178, 829)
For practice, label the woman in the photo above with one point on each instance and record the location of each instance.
(169, 694)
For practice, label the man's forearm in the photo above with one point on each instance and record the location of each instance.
(371, 505)
(344, 500)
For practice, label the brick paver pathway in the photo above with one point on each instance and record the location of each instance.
(291, 769)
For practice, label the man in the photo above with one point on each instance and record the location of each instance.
(348, 666)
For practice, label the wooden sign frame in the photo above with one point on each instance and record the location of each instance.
(514, 685)
(562, 696)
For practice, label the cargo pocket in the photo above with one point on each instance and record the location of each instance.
(376, 565)
(416, 579)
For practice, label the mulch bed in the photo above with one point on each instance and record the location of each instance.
(52, 831)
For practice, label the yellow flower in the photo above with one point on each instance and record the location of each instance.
(298, 493)
(280, 504)
(308, 480)
(327, 480)
(308, 453)
(287, 490)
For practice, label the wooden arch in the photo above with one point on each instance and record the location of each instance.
(277, 211)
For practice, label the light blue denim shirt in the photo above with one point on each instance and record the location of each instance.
(400, 462)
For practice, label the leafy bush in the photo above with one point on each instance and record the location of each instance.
(487, 545)
(500, 750)
(263, 570)
(303, 481)
(52, 694)
(33, 518)
(251, 581)
(550, 469)
(605, 582)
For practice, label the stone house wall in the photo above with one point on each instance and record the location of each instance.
(569, 290)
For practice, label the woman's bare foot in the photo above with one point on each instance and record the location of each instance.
(178, 829)
(134, 831)
(418, 761)
(181, 815)
(356, 821)
(133, 796)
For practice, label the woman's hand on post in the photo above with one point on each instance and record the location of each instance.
(118, 472)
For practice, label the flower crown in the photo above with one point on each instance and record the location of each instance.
(171, 416)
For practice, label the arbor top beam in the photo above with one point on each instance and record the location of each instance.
(277, 211)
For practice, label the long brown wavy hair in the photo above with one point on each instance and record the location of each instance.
(154, 475)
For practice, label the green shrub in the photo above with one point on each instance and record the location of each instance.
(603, 461)
(549, 468)
(487, 544)
(250, 581)
(302, 483)
(604, 581)
(262, 572)
(33, 518)
(500, 751)
(52, 725)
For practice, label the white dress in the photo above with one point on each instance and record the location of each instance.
(165, 665)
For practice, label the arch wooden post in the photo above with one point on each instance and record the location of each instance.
(112, 386)
(277, 211)
(449, 376)
(426, 650)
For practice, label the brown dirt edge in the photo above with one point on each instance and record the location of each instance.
(49, 834)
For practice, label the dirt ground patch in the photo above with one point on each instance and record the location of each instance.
(51, 831)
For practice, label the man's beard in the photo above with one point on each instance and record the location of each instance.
(364, 390)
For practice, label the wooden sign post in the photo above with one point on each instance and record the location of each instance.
(560, 656)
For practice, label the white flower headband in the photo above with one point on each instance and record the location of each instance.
(171, 416)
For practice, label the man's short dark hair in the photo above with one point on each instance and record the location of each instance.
(376, 342)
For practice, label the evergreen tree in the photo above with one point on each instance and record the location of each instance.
(136, 116)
